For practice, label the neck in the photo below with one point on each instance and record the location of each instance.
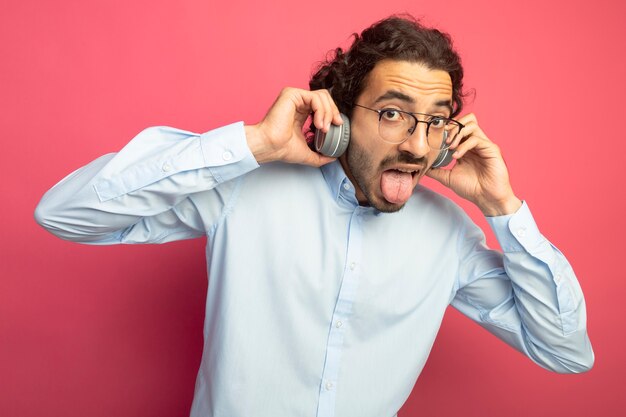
(363, 201)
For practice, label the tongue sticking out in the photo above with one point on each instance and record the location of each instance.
(396, 186)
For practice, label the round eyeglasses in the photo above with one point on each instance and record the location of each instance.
(396, 126)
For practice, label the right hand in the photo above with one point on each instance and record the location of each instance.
(279, 137)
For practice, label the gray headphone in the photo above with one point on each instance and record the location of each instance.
(335, 142)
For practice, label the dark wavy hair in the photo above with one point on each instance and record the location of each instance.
(400, 38)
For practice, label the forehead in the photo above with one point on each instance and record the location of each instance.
(421, 84)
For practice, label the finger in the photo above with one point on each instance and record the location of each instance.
(328, 109)
(337, 119)
(470, 128)
(468, 119)
(334, 110)
(474, 143)
(319, 113)
(301, 100)
(456, 139)
(468, 144)
(441, 175)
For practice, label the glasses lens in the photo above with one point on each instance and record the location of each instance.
(395, 126)
(442, 133)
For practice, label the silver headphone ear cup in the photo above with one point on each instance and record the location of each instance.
(445, 156)
(443, 159)
(345, 136)
(335, 142)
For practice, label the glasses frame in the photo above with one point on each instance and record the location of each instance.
(428, 122)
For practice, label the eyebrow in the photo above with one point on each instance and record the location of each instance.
(445, 103)
(391, 94)
(395, 94)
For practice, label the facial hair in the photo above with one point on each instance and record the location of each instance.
(362, 168)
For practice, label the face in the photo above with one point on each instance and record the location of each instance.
(385, 174)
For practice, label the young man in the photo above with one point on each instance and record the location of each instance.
(329, 278)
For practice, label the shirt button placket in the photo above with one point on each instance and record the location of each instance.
(340, 319)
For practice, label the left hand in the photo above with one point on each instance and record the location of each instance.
(480, 174)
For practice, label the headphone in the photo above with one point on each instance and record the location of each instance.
(335, 142)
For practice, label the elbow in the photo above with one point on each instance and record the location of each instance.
(579, 351)
(42, 214)
(73, 223)
(585, 364)
(577, 363)
(579, 367)
(572, 355)
(44, 217)
(51, 217)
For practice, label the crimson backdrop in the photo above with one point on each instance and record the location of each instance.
(116, 331)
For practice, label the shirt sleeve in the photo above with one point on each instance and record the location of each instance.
(528, 295)
(148, 192)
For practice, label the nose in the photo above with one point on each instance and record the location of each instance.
(417, 144)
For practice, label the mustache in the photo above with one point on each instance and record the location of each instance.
(404, 159)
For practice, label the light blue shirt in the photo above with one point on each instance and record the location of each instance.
(317, 306)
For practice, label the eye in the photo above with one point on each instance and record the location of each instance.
(391, 115)
(438, 122)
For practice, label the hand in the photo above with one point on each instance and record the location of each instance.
(480, 174)
(279, 137)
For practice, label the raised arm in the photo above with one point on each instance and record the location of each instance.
(144, 193)
(529, 297)
(150, 191)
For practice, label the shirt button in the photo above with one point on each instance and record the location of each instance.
(166, 167)
(338, 324)
(557, 278)
(352, 266)
(521, 232)
(227, 156)
(329, 386)
(346, 186)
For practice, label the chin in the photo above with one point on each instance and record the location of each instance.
(390, 208)
(384, 206)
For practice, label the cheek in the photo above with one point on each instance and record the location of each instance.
(378, 150)
(372, 148)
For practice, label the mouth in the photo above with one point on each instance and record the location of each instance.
(414, 171)
(397, 182)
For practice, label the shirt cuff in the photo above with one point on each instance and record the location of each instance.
(516, 232)
(226, 152)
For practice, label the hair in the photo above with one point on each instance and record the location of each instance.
(401, 38)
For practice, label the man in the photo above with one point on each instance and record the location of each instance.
(329, 278)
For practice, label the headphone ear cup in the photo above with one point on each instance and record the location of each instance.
(335, 142)
(445, 156)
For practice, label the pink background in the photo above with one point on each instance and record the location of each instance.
(116, 331)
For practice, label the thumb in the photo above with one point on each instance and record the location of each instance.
(441, 175)
(317, 160)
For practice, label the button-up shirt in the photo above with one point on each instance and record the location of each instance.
(316, 305)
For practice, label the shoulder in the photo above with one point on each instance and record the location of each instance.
(284, 181)
(438, 212)
(279, 173)
(435, 213)
(429, 202)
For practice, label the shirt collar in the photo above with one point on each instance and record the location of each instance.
(342, 188)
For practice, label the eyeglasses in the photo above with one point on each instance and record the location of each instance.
(396, 126)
